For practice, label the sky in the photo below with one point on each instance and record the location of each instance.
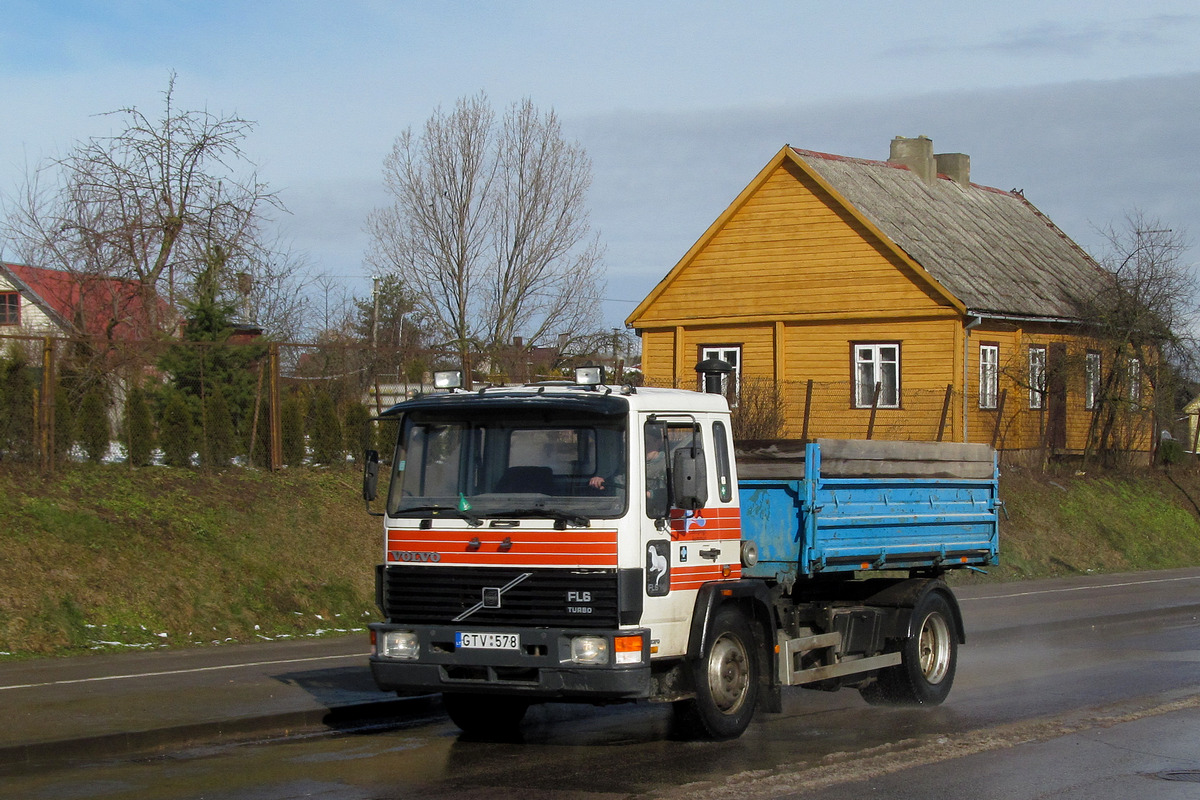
(1088, 107)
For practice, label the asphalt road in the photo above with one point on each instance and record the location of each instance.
(1079, 688)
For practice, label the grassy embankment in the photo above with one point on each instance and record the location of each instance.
(110, 559)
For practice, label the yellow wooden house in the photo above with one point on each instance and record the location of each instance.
(889, 299)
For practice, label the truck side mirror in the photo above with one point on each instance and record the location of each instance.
(370, 487)
(689, 479)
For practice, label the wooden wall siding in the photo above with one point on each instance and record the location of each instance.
(658, 356)
(757, 343)
(821, 352)
(1023, 427)
(790, 251)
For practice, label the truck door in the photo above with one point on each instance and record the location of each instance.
(684, 549)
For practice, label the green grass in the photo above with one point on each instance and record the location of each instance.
(104, 558)
(1069, 523)
(107, 558)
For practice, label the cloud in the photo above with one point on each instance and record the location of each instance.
(1122, 39)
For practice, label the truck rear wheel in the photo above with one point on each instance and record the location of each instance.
(929, 658)
(726, 681)
(482, 714)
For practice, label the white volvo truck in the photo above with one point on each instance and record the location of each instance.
(591, 543)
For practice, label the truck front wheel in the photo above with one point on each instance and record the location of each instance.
(483, 715)
(726, 682)
(929, 658)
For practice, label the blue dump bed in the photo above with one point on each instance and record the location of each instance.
(842, 506)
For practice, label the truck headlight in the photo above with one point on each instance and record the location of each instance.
(589, 650)
(399, 644)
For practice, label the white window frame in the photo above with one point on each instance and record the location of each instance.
(1135, 383)
(1037, 376)
(872, 361)
(989, 375)
(1091, 379)
(731, 354)
(15, 319)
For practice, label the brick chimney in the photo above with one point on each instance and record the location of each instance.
(916, 154)
(955, 166)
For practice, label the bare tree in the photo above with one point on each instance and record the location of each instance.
(1143, 324)
(147, 203)
(332, 312)
(273, 289)
(489, 229)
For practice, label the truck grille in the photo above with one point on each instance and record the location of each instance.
(547, 598)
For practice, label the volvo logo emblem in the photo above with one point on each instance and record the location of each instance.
(492, 595)
(414, 555)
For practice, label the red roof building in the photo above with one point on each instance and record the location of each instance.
(39, 301)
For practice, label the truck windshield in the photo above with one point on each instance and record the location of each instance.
(569, 469)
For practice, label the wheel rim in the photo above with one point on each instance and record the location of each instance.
(935, 647)
(728, 674)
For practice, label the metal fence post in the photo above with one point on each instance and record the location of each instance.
(46, 406)
(807, 409)
(945, 410)
(274, 421)
(874, 410)
(999, 417)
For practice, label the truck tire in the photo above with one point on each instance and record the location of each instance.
(726, 680)
(482, 715)
(926, 672)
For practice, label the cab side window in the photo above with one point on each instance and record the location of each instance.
(658, 502)
(724, 473)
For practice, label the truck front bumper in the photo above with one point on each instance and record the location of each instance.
(540, 667)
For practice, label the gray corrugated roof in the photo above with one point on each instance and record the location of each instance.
(992, 249)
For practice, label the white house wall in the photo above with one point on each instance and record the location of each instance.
(34, 321)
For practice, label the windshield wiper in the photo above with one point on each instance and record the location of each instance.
(472, 519)
(561, 518)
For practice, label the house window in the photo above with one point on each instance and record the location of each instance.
(1135, 383)
(1091, 377)
(1037, 376)
(876, 365)
(10, 308)
(989, 374)
(731, 384)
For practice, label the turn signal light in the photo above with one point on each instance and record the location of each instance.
(628, 649)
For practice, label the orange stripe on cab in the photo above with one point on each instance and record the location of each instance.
(506, 547)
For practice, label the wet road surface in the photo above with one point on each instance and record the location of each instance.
(1082, 688)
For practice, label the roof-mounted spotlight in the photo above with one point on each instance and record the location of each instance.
(589, 376)
(448, 379)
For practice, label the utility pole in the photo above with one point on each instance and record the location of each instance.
(375, 313)
(616, 341)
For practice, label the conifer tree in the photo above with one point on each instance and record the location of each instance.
(177, 433)
(218, 445)
(357, 430)
(93, 431)
(139, 428)
(291, 421)
(325, 432)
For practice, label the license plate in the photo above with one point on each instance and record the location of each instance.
(487, 641)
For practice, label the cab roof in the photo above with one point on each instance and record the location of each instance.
(569, 397)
